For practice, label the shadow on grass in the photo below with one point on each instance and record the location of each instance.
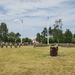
(61, 56)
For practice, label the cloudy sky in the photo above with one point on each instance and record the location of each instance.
(34, 14)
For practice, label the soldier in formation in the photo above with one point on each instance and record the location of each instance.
(6, 44)
(15, 45)
(10, 45)
(1, 44)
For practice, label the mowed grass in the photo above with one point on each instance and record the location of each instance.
(36, 61)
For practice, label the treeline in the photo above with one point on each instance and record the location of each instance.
(5, 36)
(56, 35)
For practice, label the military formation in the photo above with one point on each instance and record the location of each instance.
(11, 45)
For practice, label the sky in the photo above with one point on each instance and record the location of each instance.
(35, 13)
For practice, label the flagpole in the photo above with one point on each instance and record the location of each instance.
(48, 30)
(21, 29)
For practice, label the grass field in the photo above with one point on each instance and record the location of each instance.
(36, 61)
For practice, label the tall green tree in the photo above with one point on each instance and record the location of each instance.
(57, 31)
(3, 32)
(14, 37)
(68, 36)
(74, 35)
(51, 40)
(18, 35)
(73, 40)
(38, 36)
(50, 31)
(27, 40)
(44, 32)
(43, 39)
